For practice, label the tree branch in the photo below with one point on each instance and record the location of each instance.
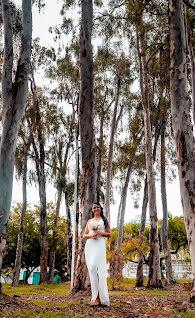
(189, 5)
(158, 48)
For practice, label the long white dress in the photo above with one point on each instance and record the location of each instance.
(95, 256)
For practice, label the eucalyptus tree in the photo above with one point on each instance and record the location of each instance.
(131, 161)
(36, 131)
(61, 153)
(136, 14)
(139, 274)
(158, 62)
(21, 159)
(14, 91)
(164, 114)
(103, 101)
(154, 259)
(111, 99)
(62, 128)
(123, 80)
(181, 122)
(87, 134)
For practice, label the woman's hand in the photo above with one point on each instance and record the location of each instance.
(95, 235)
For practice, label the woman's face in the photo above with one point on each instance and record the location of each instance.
(96, 209)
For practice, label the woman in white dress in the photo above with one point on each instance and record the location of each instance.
(96, 232)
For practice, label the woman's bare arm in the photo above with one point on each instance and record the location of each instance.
(86, 234)
(104, 234)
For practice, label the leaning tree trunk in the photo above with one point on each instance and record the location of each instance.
(111, 148)
(14, 101)
(164, 232)
(121, 212)
(181, 122)
(154, 256)
(87, 135)
(18, 259)
(100, 151)
(139, 275)
(55, 239)
(122, 206)
(191, 58)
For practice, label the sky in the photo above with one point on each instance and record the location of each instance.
(48, 17)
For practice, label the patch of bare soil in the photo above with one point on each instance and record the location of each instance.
(123, 305)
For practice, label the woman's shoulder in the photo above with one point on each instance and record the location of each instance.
(94, 220)
(90, 220)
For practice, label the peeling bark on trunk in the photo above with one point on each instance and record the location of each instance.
(77, 234)
(111, 148)
(87, 134)
(68, 238)
(154, 256)
(14, 96)
(191, 58)
(181, 122)
(139, 275)
(164, 232)
(18, 259)
(14, 101)
(2, 253)
(54, 244)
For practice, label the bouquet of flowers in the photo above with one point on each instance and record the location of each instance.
(95, 227)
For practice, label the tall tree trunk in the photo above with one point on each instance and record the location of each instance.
(154, 256)
(55, 239)
(77, 233)
(77, 219)
(181, 122)
(111, 148)
(191, 57)
(139, 275)
(87, 134)
(40, 168)
(18, 259)
(164, 232)
(68, 237)
(14, 101)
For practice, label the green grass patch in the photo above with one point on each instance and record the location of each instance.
(184, 314)
(24, 313)
(124, 283)
(43, 289)
(117, 304)
(148, 292)
(49, 304)
(182, 281)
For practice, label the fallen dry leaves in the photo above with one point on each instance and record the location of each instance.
(175, 304)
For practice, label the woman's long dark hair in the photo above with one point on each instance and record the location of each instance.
(106, 224)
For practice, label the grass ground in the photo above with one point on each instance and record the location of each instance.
(56, 301)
